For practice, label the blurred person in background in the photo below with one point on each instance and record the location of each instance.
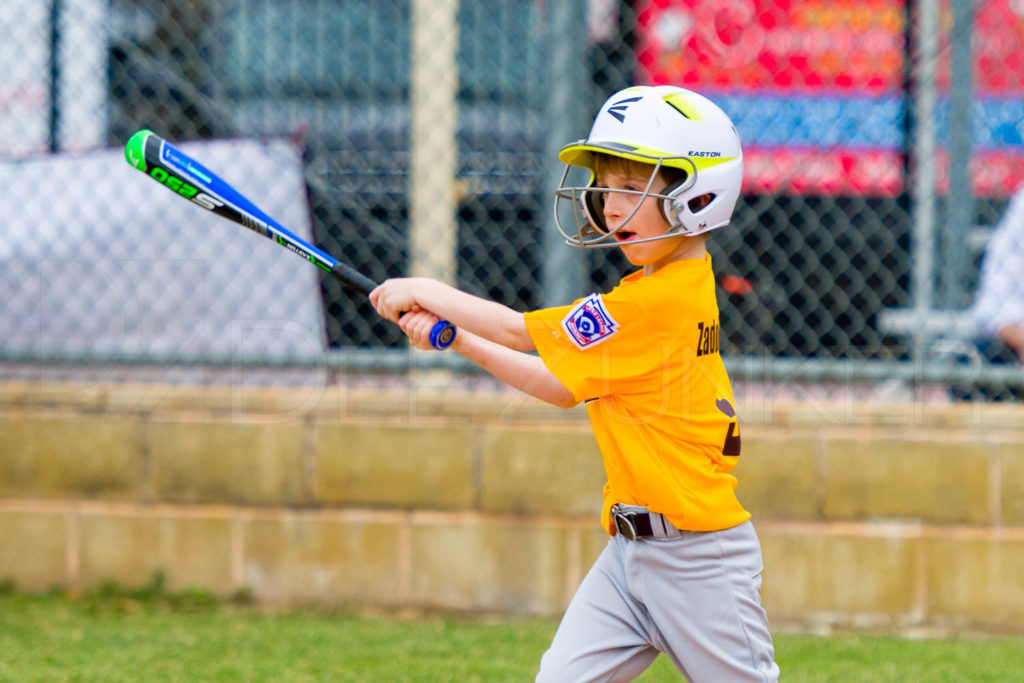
(998, 309)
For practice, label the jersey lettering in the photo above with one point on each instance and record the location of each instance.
(732, 436)
(732, 440)
(707, 338)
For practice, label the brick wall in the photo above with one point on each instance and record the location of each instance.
(904, 518)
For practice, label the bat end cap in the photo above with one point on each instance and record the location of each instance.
(442, 336)
(134, 149)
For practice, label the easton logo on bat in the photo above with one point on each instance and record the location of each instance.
(184, 189)
(170, 155)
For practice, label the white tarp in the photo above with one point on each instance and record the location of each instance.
(24, 86)
(96, 257)
(80, 69)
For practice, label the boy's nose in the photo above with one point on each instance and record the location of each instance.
(614, 204)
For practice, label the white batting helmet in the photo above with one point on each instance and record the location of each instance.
(664, 126)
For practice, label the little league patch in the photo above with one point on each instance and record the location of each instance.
(588, 323)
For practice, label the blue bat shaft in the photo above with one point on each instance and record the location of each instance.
(156, 157)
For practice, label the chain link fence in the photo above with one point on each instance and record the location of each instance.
(882, 141)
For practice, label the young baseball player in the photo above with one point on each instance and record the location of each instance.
(681, 573)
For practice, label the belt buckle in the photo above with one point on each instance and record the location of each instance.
(624, 524)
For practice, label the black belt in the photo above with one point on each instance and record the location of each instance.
(633, 524)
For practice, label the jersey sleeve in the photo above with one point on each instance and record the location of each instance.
(599, 345)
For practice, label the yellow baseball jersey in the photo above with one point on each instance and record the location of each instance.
(645, 360)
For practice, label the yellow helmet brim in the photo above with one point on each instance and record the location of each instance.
(581, 153)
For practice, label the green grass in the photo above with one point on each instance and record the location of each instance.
(114, 635)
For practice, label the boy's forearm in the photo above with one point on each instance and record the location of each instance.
(487, 319)
(523, 371)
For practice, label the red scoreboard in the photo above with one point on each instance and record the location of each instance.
(817, 88)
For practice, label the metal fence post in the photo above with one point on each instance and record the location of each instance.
(54, 76)
(960, 205)
(568, 83)
(434, 151)
(925, 30)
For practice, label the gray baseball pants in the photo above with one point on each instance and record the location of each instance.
(695, 597)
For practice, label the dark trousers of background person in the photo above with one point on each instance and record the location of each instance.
(992, 352)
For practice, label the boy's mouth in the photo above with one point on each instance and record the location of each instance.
(624, 235)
